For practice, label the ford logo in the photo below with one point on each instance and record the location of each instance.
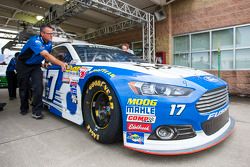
(211, 78)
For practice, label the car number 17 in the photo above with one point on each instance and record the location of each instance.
(177, 109)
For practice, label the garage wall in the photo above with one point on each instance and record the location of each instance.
(239, 81)
(199, 15)
(196, 15)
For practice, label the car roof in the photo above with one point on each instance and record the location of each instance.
(84, 43)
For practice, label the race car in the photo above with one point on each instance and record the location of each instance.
(154, 108)
(3, 79)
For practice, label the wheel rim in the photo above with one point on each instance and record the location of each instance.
(100, 110)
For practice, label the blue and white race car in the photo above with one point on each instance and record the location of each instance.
(156, 109)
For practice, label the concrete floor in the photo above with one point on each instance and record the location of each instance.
(56, 142)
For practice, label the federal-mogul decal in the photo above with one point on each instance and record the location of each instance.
(141, 106)
(141, 118)
(105, 71)
(139, 127)
(135, 137)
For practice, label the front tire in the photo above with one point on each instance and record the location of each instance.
(102, 113)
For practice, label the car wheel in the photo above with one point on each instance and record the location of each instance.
(102, 113)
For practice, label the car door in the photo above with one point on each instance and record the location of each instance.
(62, 92)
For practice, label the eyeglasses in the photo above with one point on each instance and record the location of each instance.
(49, 33)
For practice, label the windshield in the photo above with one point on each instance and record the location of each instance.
(104, 54)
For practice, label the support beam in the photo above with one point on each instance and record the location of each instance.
(59, 13)
(110, 29)
(117, 7)
(149, 40)
(130, 12)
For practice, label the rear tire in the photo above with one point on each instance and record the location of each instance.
(102, 113)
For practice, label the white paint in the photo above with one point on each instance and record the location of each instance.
(201, 139)
(151, 69)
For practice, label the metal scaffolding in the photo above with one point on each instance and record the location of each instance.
(57, 14)
(130, 12)
(110, 29)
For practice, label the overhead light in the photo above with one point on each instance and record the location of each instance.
(39, 18)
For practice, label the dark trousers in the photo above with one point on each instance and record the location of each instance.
(12, 83)
(30, 75)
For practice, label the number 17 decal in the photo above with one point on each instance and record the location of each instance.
(54, 75)
(177, 109)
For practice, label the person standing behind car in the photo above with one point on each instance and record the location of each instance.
(125, 48)
(28, 67)
(12, 77)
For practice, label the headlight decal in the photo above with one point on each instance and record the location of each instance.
(147, 88)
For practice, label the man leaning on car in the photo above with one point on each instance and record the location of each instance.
(28, 66)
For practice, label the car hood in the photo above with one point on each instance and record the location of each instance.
(166, 74)
(166, 71)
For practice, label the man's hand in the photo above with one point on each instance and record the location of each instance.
(64, 66)
(54, 60)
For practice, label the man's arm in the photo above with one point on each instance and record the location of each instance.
(53, 60)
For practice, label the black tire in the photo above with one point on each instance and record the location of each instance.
(102, 113)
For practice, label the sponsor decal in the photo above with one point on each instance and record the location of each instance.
(74, 98)
(138, 110)
(76, 71)
(73, 91)
(139, 127)
(92, 133)
(73, 83)
(141, 118)
(100, 84)
(65, 80)
(135, 137)
(73, 68)
(82, 72)
(65, 77)
(105, 71)
(142, 102)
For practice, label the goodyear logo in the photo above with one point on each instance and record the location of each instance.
(92, 133)
(105, 71)
(142, 102)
